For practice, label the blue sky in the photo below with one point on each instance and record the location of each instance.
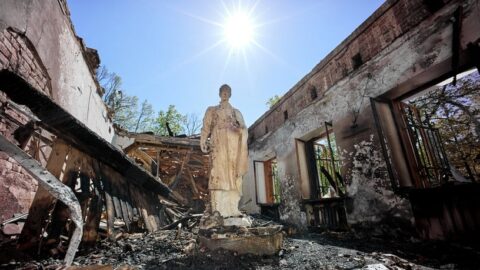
(164, 50)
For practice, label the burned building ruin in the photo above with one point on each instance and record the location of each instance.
(354, 143)
(385, 130)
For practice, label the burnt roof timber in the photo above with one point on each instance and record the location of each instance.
(61, 123)
(147, 139)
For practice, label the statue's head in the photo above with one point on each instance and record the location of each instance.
(225, 92)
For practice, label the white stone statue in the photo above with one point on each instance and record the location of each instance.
(225, 128)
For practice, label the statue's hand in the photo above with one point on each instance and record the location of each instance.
(204, 147)
(235, 128)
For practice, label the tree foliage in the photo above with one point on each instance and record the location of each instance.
(145, 118)
(454, 110)
(192, 124)
(273, 100)
(128, 114)
(174, 119)
(121, 106)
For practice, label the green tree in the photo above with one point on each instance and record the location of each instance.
(145, 118)
(126, 111)
(122, 108)
(175, 120)
(110, 83)
(273, 100)
(192, 124)
(454, 110)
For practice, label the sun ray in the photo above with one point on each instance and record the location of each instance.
(288, 17)
(278, 59)
(192, 58)
(247, 69)
(227, 61)
(245, 60)
(202, 19)
(239, 7)
(226, 9)
(252, 9)
(271, 54)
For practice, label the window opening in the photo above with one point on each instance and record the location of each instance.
(434, 5)
(276, 181)
(442, 124)
(327, 165)
(267, 182)
(357, 61)
(313, 93)
(322, 184)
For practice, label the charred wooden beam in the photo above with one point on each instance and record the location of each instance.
(61, 123)
(44, 204)
(170, 133)
(180, 171)
(56, 188)
(192, 182)
(92, 221)
(456, 41)
(171, 142)
(474, 53)
(180, 220)
(146, 160)
(107, 198)
(14, 219)
(156, 147)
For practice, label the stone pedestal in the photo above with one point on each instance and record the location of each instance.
(257, 240)
(244, 221)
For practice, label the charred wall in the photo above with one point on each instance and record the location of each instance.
(104, 183)
(52, 117)
(17, 187)
(403, 45)
(38, 42)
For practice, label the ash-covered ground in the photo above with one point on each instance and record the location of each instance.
(178, 249)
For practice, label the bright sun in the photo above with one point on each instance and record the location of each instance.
(239, 30)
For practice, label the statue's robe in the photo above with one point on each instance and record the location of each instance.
(226, 129)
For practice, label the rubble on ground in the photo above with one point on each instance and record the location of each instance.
(178, 249)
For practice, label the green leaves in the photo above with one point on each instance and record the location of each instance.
(128, 114)
(273, 100)
(174, 119)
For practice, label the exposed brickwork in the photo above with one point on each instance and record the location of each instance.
(392, 20)
(17, 187)
(18, 55)
(399, 50)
